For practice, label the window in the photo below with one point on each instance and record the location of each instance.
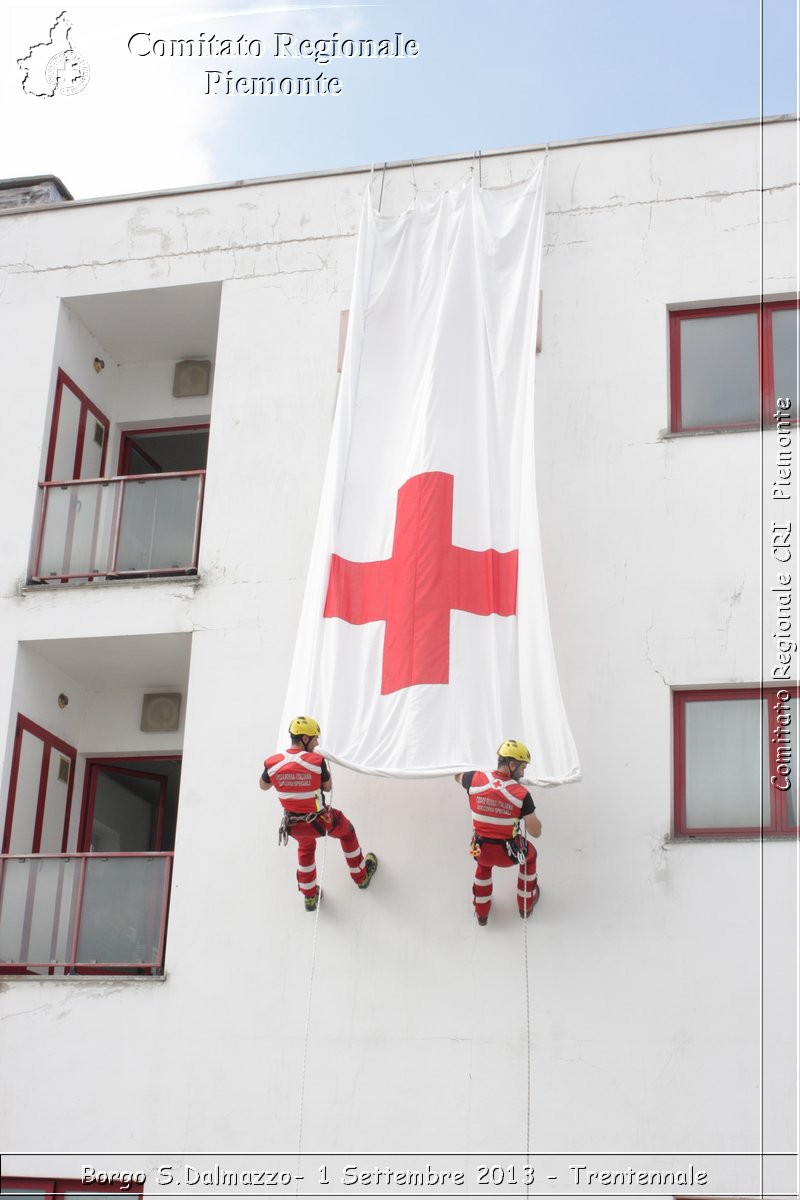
(729, 365)
(736, 762)
(130, 1182)
(42, 776)
(166, 448)
(78, 434)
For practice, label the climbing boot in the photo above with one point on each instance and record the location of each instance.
(371, 864)
(482, 920)
(311, 902)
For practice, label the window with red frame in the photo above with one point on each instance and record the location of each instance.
(729, 366)
(736, 765)
(128, 1184)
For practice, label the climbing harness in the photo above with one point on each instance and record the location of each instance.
(516, 848)
(289, 819)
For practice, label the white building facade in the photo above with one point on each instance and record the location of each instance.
(162, 987)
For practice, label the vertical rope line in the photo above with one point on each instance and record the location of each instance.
(527, 1029)
(383, 180)
(308, 1015)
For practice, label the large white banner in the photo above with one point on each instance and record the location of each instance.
(424, 637)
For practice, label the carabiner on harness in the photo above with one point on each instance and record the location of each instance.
(517, 848)
(283, 830)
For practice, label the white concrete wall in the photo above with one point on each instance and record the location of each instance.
(143, 399)
(111, 726)
(648, 958)
(75, 350)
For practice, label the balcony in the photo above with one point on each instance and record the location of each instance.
(65, 914)
(121, 527)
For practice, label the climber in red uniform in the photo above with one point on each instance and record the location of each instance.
(299, 777)
(503, 813)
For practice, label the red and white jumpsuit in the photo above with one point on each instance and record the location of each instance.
(498, 804)
(297, 776)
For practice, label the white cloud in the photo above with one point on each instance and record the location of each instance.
(142, 122)
(139, 124)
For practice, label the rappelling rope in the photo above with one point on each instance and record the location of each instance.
(320, 878)
(383, 180)
(527, 1029)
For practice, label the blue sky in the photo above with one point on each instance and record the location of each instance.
(488, 75)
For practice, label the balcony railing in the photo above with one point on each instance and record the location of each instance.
(84, 913)
(131, 525)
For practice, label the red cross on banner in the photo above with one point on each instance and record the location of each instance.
(424, 638)
(416, 589)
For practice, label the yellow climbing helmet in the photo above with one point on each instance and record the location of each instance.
(304, 727)
(516, 750)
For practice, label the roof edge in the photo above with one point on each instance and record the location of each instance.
(32, 180)
(400, 164)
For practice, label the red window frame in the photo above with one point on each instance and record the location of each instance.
(130, 435)
(63, 381)
(53, 1188)
(51, 743)
(766, 362)
(778, 823)
(90, 789)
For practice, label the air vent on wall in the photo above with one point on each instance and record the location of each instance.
(192, 378)
(63, 769)
(161, 712)
(99, 434)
